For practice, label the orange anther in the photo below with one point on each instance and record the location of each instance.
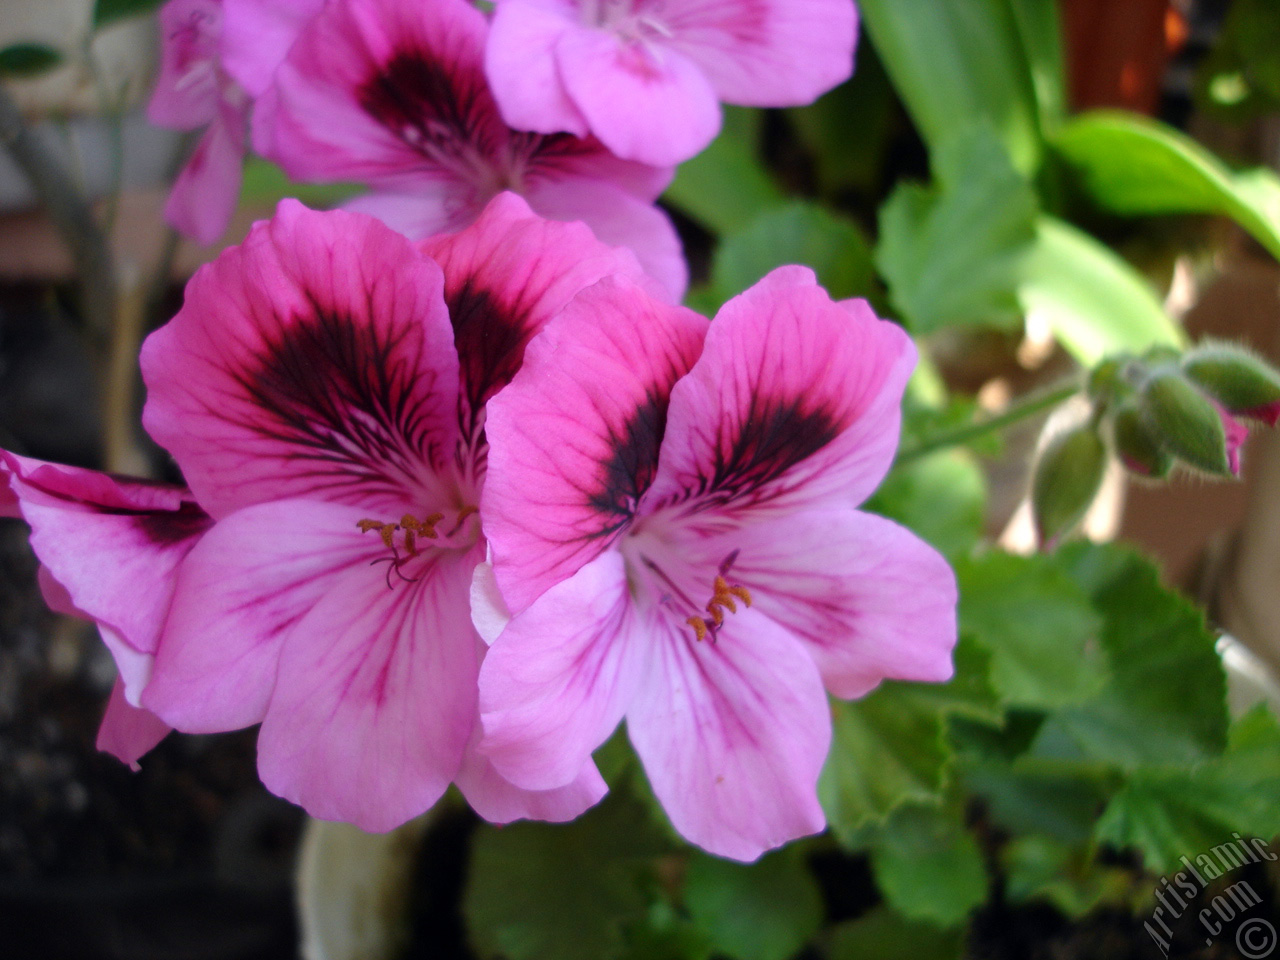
(721, 586)
(742, 593)
(699, 627)
(717, 613)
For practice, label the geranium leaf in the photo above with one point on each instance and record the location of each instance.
(952, 252)
(766, 910)
(928, 865)
(885, 935)
(1039, 626)
(539, 891)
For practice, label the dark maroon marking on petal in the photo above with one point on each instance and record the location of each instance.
(491, 337)
(776, 435)
(433, 106)
(166, 529)
(548, 153)
(630, 468)
(349, 399)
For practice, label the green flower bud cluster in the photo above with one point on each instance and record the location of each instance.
(1155, 411)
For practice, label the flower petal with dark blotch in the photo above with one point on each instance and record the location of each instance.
(795, 399)
(573, 441)
(315, 360)
(505, 276)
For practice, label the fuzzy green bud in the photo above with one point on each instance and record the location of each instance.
(1066, 479)
(1185, 422)
(1241, 382)
(1137, 447)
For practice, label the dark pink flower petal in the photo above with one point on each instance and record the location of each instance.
(619, 219)
(794, 400)
(766, 53)
(522, 69)
(127, 732)
(110, 545)
(573, 441)
(248, 583)
(733, 734)
(558, 680)
(204, 196)
(391, 93)
(500, 801)
(644, 102)
(870, 600)
(314, 360)
(505, 277)
(189, 88)
(257, 34)
(375, 697)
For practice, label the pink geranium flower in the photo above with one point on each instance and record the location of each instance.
(671, 514)
(108, 549)
(646, 76)
(392, 93)
(194, 91)
(323, 390)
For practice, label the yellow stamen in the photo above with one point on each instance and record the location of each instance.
(717, 613)
(699, 627)
(724, 600)
(742, 593)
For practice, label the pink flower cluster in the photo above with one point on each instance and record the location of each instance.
(583, 107)
(669, 507)
(462, 498)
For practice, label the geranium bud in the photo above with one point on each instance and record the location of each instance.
(1137, 447)
(1186, 422)
(1066, 479)
(1243, 383)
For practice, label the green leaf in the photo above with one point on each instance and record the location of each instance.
(1040, 627)
(1095, 303)
(107, 12)
(1029, 795)
(884, 935)
(725, 187)
(27, 59)
(942, 497)
(890, 747)
(1165, 701)
(265, 184)
(863, 105)
(766, 910)
(961, 63)
(1178, 811)
(1255, 28)
(887, 749)
(952, 252)
(1133, 165)
(540, 891)
(833, 246)
(1039, 868)
(1040, 31)
(928, 865)
(665, 935)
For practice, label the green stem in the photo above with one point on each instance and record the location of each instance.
(1020, 409)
